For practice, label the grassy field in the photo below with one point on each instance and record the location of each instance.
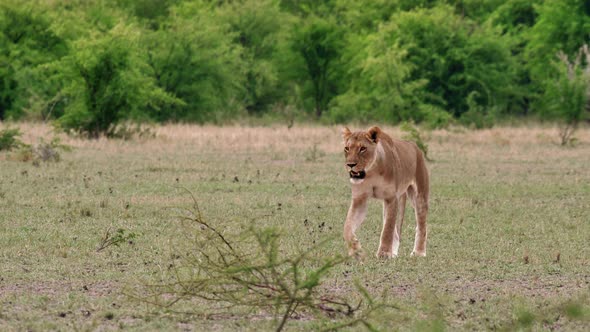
(509, 227)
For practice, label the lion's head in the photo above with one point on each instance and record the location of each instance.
(359, 151)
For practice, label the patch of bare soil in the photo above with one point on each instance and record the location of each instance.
(49, 288)
(533, 286)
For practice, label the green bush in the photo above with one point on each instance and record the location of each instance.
(424, 62)
(92, 64)
(565, 97)
(260, 30)
(108, 83)
(381, 88)
(561, 26)
(9, 139)
(455, 57)
(193, 58)
(319, 42)
(27, 43)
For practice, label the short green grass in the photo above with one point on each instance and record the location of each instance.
(509, 227)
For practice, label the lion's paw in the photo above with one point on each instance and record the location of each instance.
(385, 254)
(355, 250)
(418, 254)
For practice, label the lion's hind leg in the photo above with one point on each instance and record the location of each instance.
(421, 210)
(419, 197)
(397, 233)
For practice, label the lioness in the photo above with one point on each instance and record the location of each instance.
(391, 170)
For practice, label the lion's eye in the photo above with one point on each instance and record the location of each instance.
(346, 149)
(363, 149)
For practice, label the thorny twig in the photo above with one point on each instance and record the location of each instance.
(250, 272)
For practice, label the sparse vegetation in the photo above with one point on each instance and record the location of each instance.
(313, 154)
(566, 99)
(42, 151)
(111, 238)
(129, 131)
(250, 271)
(492, 205)
(9, 139)
(49, 151)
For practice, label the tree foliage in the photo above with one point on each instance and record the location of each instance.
(26, 43)
(108, 83)
(566, 96)
(562, 25)
(194, 59)
(319, 43)
(428, 61)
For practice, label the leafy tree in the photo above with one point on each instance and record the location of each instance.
(515, 19)
(513, 16)
(258, 26)
(383, 89)
(566, 95)
(363, 17)
(306, 8)
(7, 79)
(107, 81)
(194, 59)
(319, 42)
(380, 60)
(456, 57)
(26, 43)
(562, 25)
(477, 10)
(152, 12)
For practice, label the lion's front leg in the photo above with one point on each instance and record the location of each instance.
(355, 217)
(386, 245)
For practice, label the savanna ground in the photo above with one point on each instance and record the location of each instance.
(509, 227)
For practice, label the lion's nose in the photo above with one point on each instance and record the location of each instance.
(351, 165)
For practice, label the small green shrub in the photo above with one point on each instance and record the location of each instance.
(115, 239)
(412, 134)
(566, 94)
(9, 139)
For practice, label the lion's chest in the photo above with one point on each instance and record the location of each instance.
(382, 192)
(375, 187)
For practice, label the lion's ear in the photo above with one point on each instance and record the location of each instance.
(346, 133)
(373, 134)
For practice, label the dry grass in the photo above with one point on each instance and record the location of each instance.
(237, 138)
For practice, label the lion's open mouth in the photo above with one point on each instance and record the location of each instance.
(357, 175)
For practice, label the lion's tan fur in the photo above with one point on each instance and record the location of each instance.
(393, 171)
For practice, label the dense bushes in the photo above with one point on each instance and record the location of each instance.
(107, 81)
(90, 64)
(27, 42)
